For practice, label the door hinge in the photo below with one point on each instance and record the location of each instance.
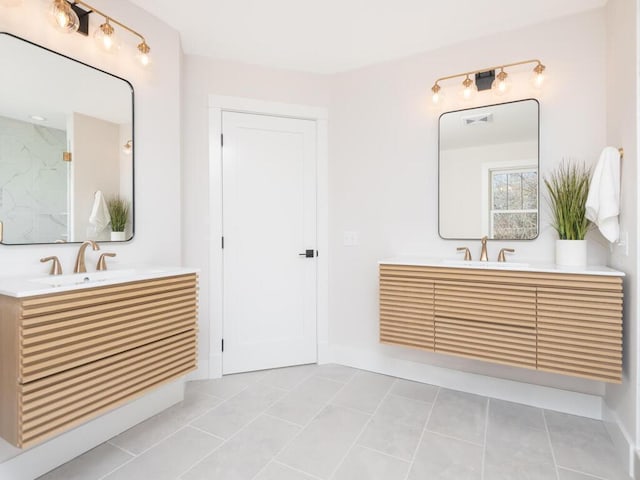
(222, 241)
(221, 140)
(223, 344)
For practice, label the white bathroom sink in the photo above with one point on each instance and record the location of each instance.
(84, 278)
(479, 264)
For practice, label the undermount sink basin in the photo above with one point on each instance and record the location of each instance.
(479, 264)
(83, 278)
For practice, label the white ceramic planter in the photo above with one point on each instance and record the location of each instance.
(571, 253)
(118, 236)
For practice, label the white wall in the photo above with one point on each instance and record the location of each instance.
(622, 130)
(202, 77)
(157, 131)
(383, 169)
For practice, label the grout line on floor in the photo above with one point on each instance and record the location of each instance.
(424, 430)
(553, 453)
(383, 453)
(188, 425)
(116, 446)
(590, 475)
(273, 460)
(364, 427)
(484, 443)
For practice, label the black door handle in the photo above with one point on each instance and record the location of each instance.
(307, 254)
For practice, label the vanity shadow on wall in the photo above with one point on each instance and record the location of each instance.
(488, 163)
(66, 132)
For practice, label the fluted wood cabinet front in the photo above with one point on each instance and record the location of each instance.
(82, 353)
(563, 323)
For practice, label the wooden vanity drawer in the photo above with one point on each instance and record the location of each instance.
(492, 342)
(62, 331)
(486, 303)
(406, 310)
(59, 402)
(580, 332)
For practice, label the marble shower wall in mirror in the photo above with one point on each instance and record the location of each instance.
(488, 172)
(63, 130)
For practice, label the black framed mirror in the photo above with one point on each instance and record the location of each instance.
(488, 164)
(66, 148)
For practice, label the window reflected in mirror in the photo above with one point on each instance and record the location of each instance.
(488, 172)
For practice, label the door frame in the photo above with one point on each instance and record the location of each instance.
(217, 105)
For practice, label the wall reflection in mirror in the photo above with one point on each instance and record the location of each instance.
(63, 128)
(488, 172)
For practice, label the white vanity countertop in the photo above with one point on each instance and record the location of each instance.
(28, 286)
(513, 266)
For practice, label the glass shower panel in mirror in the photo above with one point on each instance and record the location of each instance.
(488, 172)
(63, 130)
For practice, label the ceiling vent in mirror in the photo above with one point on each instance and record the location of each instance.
(477, 119)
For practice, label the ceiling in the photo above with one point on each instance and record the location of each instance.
(329, 36)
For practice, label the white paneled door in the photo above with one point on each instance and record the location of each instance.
(269, 253)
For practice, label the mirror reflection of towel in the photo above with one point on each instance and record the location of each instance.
(603, 202)
(99, 217)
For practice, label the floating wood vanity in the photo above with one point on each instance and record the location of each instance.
(69, 356)
(567, 322)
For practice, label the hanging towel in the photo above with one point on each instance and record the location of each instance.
(99, 217)
(603, 201)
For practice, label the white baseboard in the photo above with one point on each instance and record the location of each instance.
(566, 401)
(622, 441)
(215, 365)
(38, 460)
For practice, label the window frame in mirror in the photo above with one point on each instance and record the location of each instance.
(132, 154)
(440, 170)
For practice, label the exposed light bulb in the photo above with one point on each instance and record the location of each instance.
(437, 96)
(501, 84)
(469, 89)
(63, 16)
(538, 75)
(106, 38)
(143, 53)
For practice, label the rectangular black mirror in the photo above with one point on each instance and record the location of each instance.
(66, 139)
(488, 163)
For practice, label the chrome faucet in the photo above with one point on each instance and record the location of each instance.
(80, 266)
(483, 253)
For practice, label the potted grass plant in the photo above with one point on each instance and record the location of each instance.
(568, 188)
(119, 214)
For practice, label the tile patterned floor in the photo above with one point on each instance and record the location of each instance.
(332, 422)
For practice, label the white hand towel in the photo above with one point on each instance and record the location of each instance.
(603, 201)
(99, 217)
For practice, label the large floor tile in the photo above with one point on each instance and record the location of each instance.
(289, 377)
(151, 431)
(584, 445)
(362, 463)
(503, 464)
(226, 419)
(306, 400)
(364, 392)
(391, 437)
(414, 390)
(170, 458)
(404, 410)
(460, 415)
(522, 444)
(338, 373)
(246, 454)
(278, 471)
(503, 413)
(91, 465)
(322, 444)
(444, 458)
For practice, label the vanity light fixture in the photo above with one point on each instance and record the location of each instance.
(483, 79)
(69, 17)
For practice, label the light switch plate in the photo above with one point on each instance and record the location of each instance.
(350, 239)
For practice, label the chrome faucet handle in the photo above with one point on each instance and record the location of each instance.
(56, 268)
(102, 262)
(484, 257)
(501, 255)
(467, 253)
